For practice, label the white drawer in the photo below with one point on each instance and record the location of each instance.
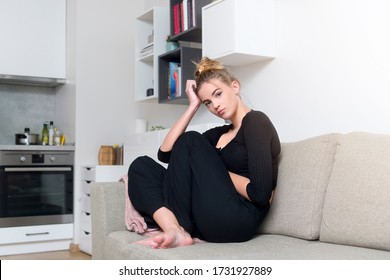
(36, 233)
(86, 242)
(88, 173)
(86, 187)
(85, 221)
(85, 204)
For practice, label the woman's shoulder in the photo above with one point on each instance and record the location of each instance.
(256, 116)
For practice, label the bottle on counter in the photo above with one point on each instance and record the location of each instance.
(57, 137)
(51, 133)
(45, 134)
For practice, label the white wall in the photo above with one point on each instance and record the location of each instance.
(104, 75)
(331, 71)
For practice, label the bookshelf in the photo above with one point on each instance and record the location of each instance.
(247, 37)
(184, 55)
(192, 10)
(185, 17)
(152, 29)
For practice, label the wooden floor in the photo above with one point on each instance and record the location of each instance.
(56, 255)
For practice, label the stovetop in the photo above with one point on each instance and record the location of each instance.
(36, 148)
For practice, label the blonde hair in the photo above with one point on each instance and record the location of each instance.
(207, 69)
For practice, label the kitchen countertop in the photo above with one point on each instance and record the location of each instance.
(36, 148)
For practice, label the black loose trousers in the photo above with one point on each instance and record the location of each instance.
(197, 188)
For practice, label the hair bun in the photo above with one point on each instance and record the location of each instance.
(207, 69)
(207, 64)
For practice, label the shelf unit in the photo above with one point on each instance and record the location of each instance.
(193, 33)
(89, 174)
(185, 56)
(189, 50)
(247, 37)
(152, 30)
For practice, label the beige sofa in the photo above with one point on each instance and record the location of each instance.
(332, 202)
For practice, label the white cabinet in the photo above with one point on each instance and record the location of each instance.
(246, 37)
(89, 174)
(33, 38)
(152, 30)
(32, 239)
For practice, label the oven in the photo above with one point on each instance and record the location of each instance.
(36, 187)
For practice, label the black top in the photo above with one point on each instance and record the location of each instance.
(252, 153)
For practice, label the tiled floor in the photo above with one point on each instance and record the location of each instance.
(57, 255)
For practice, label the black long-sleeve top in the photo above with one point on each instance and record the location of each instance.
(252, 153)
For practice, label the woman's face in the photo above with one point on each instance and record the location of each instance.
(221, 99)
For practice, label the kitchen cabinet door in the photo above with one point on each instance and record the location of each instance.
(33, 38)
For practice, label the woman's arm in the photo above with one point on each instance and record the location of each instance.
(240, 183)
(181, 124)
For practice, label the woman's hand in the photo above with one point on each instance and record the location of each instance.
(191, 93)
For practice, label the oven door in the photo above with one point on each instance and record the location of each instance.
(36, 195)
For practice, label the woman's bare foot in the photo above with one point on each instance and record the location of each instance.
(172, 238)
(148, 242)
(172, 235)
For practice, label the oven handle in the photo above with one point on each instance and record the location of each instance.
(36, 169)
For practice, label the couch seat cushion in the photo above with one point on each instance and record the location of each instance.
(120, 245)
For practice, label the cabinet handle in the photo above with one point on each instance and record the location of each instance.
(37, 233)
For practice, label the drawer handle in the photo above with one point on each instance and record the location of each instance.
(37, 233)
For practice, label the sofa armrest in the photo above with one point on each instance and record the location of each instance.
(107, 213)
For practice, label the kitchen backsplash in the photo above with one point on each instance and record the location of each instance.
(24, 106)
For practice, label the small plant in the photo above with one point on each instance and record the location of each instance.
(157, 127)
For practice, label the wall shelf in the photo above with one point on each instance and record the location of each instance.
(152, 29)
(247, 37)
(184, 56)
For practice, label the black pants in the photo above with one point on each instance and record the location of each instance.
(197, 188)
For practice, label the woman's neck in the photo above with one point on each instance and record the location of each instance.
(237, 118)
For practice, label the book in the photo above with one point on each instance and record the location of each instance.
(178, 91)
(176, 19)
(184, 11)
(189, 14)
(147, 50)
(193, 13)
(173, 80)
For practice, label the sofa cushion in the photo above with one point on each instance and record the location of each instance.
(304, 171)
(356, 208)
(120, 246)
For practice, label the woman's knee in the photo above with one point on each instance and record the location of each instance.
(191, 135)
(140, 164)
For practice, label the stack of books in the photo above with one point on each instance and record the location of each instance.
(184, 16)
(147, 50)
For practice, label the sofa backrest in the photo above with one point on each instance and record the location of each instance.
(357, 203)
(305, 168)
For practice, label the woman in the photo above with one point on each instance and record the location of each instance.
(218, 185)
